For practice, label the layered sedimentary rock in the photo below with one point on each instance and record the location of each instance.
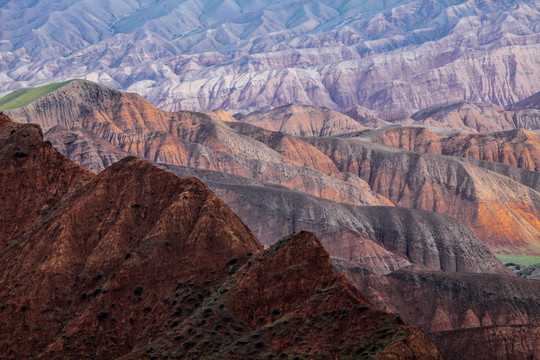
(134, 126)
(343, 170)
(377, 239)
(195, 55)
(520, 148)
(302, 120)
(84, 148)
(468, 317)
(531, 102)
(136, 262)
(502, 212)
(474, 117)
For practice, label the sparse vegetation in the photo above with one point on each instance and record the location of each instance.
(102, 315)
(25, 96)
(20, 154)
(138, 290)
(518, 259)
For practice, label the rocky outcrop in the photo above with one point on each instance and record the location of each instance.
(303, 309)
(136, 262)
(30, 191)
(377, 239)
(468, 317)
(302, 120)
(500, 211)
(520, 148)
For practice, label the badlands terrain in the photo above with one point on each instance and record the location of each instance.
(405, 212)
(196, 55)
(232, 179)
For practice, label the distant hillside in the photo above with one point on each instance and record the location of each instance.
(390, 56)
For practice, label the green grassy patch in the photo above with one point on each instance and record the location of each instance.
(518, 259)
(25, 96)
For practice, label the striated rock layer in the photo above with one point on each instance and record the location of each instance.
(501, 212)
(468, 316)
(132, 125)
(303, 121)
(520, 148)
(195, 55)
(499, 204)
(378, 239)
(475, 117)
(136, 263)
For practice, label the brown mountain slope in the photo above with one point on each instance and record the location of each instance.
(468, 317)
(302, 310)
(366, 117)
(531, 102)
(378, 239)
(303, 120)
(476, 117)
(29, 190)
(84, 148)
(126, 256)
(134, 126)
(501, 212)
(520, 148)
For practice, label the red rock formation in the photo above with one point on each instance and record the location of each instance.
(379, 239)
(468, 316)
(410, 138)
(125, 258)
(132, 125)
(30, 191)
(288, 301)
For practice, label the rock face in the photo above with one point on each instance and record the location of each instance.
(475, 117)
(303, 121)
(136, 262)
(469, 317)
(304, 309)
(520, 148)
(133, 126)
(532, 102)
(377, 239)
(26, 196)
(501, 212)
(499, 204)
(84, 148)
(192, 55)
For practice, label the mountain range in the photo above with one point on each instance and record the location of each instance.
(195, 55)
(395, 210)
(138, 263)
